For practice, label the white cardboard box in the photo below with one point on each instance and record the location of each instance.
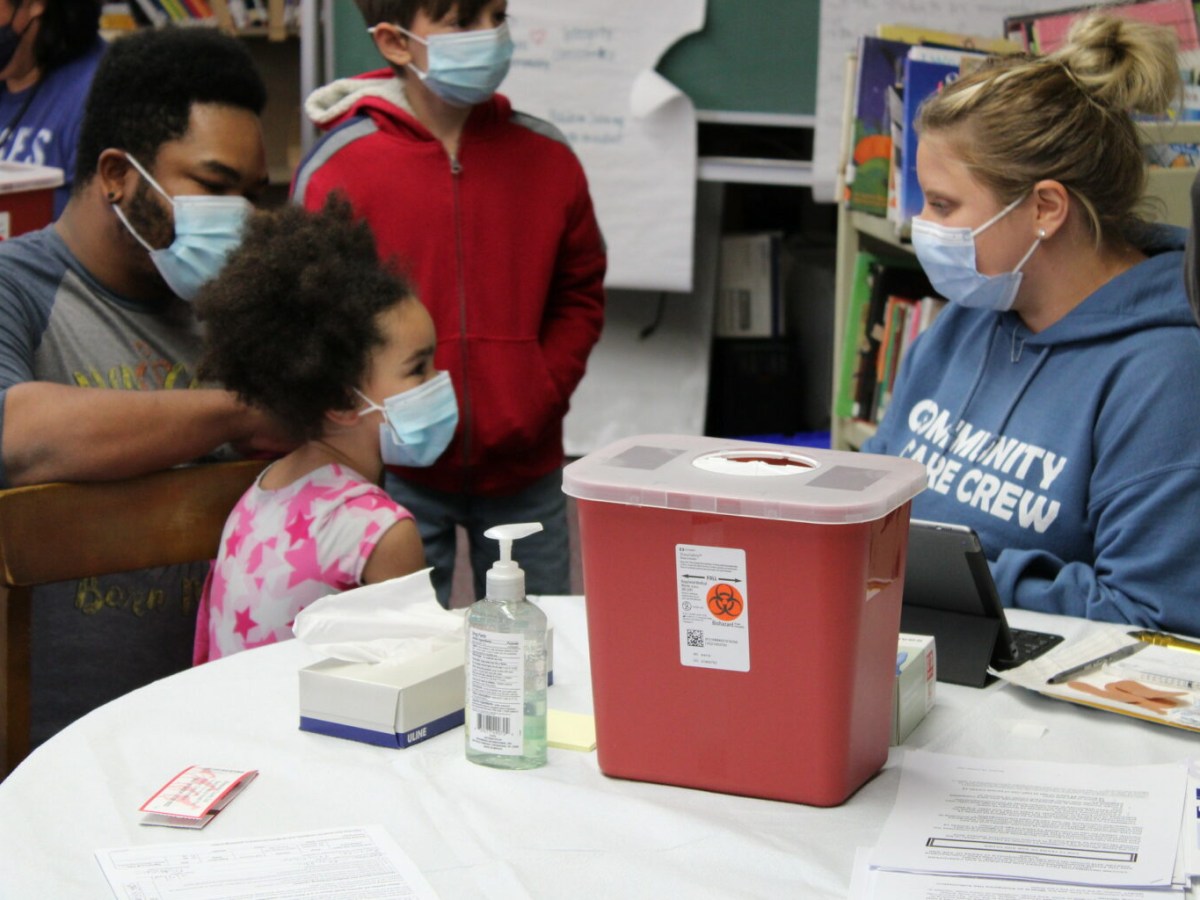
(749, 289)
(390, 704)
(916, 682)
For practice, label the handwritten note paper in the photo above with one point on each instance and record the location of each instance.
(588, 69)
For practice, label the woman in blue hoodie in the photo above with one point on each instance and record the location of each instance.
(1054, 403)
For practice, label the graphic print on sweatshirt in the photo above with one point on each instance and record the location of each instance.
(1002, 476)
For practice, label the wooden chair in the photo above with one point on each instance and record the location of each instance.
(59, 532)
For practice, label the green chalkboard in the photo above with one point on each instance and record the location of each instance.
(353, 49)
(752, 55)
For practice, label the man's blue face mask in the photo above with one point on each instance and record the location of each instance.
(207, 230)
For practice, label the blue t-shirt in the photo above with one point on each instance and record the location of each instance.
(46, 131)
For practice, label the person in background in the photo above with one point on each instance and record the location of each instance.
(1053, 402)
(49, 50)
(490, 210)
(304, 321)
(98, 342)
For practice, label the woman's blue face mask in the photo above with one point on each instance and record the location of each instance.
(948, 257)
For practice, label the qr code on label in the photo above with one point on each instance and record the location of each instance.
(695, 637)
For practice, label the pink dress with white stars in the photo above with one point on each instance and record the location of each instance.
(283, 549)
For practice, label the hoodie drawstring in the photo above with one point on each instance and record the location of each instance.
(1015, 352)
(987, 353)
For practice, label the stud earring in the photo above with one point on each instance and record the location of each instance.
(1041, 234)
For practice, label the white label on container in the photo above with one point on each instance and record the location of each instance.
(714, 616)
(496, 691)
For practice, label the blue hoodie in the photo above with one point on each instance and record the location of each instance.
(1074, 452)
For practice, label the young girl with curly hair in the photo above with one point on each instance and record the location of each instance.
(306, 323)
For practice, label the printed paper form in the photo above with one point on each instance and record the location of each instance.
(339, 864)
(1058, 822)
(875, 884)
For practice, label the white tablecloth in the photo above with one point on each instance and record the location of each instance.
(564, 830)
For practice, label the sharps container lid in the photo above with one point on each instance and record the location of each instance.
(726, 476)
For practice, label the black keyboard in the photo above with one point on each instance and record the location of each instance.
(1027, 645)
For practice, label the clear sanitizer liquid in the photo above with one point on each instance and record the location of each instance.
(506, 666)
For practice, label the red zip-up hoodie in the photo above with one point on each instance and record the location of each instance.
(504, 250)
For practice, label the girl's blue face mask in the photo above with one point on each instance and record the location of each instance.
(207, 230)
(465, 67)
(948, 257)
(417, 424)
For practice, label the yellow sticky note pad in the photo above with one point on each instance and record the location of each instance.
(570, 731)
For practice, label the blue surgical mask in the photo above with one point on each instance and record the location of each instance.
(10, 39)
(418, 423)
(465, 67)
(207, 230)
(948, 257)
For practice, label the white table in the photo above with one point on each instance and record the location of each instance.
(564, 830)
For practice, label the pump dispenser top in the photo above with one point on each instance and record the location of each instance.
(505, 579)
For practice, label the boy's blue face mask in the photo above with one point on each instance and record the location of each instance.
(948, 257)
(465, 67)
(207, 230)
(417, 424)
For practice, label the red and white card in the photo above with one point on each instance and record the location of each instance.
(193, 797)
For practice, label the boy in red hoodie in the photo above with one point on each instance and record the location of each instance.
(489, 212)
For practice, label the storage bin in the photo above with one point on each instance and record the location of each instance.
(743, 604)
(26, 197)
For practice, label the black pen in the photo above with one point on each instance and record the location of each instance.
(1068, 674)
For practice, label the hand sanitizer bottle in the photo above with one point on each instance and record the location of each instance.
(506, 665)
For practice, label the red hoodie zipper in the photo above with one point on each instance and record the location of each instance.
(464, 389)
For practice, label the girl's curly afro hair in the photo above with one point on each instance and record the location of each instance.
(292, 319)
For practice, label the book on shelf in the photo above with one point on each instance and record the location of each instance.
(117, 17)
(876, 335)
(1044, 32)
(926, 71)
(879, 68)
(877, 181)
(919, 34)
(895, 321)
(175, 10)
(153, 13)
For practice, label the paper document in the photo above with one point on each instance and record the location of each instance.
(588, 70)
(1071, 823)
(339, 864)
(1158, 684)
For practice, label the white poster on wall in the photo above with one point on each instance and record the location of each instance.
(841, 26)
(588, 69)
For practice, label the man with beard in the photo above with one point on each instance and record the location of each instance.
(98, 340)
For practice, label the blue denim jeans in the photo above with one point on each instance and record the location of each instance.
(545, 556)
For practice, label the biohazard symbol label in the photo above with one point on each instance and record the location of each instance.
(725, 602)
